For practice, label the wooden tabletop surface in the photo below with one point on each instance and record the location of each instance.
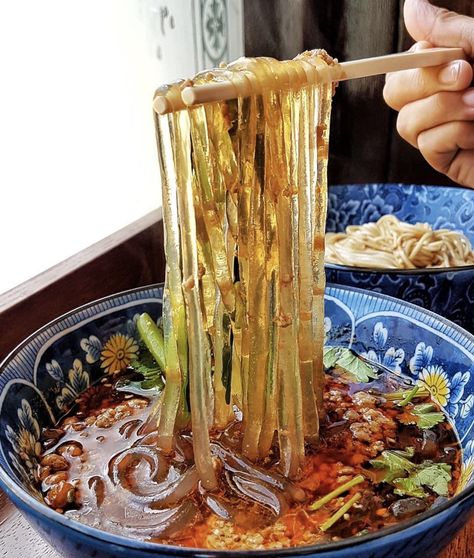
(19, 540)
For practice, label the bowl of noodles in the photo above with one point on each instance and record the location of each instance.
(409, 241)
(78, 462)
(243, 407)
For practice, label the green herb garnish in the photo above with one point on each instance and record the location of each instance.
(392, 464)
(344, 358)
(424, 416)
(422, 391)
(152, 336)
(336, 492)
(149, 369)
(330, 356)
(151, 360)
(340, 512)
(436, 476)
(152, 383)
(409, 478)
(409, 396)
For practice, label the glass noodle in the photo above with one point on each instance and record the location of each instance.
(244, 207)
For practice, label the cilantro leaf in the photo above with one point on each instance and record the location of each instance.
(152, 383)
(408, 487)
(330, 356)
(410, 479)
(435, 476)
(149, 372)
(344, 358)
(424, 416)
(391, 465)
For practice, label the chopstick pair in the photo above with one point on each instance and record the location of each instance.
(225, 90)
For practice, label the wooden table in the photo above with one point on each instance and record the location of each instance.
(130, 258)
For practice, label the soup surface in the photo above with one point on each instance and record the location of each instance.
(385, 454)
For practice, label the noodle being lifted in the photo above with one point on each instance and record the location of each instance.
(393, 244)
(244, 206)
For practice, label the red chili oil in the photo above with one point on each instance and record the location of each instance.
(102, 466)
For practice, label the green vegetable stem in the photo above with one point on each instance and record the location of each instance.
(336, 492)
(152, 336)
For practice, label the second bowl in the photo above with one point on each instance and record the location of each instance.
(446, 291)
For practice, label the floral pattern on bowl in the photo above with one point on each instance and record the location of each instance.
(66, 360)
(40, 380)
(448, 292)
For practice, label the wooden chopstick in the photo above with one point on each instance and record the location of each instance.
(400, 61)
(225, 90)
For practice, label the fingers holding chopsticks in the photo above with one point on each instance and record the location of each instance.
(408, 86)
(449, 148)
(436, 115)
(436, 105)
(433, 111)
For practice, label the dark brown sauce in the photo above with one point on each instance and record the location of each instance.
(103, 470)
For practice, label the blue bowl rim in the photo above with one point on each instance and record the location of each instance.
(11, 488)
(395, 271)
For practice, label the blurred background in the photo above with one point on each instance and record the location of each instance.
(78, 155)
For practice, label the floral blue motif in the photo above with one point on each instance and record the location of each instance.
(437, 381)
(373, 209)
(73, 385)
(436, 378)
(92, 346)
(25, 443)
(380, 335)
(421, 358)
(458, 383)
(391, 358)
(340, 217)
(55, 371)
(467, 406)
(132, 326)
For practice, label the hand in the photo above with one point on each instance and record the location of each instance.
(436, 105)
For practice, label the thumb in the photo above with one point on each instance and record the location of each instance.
(439, 26)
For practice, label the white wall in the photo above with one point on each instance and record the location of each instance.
(77, 148)
(77, 151)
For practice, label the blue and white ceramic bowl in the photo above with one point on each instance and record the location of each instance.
(42, 377)
(447, 291)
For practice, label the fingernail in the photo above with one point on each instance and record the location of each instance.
(468, 98)
(420, 45)
(450, 73)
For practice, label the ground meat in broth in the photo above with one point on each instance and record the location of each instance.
(99, 467)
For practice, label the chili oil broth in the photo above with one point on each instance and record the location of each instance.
(78, 468)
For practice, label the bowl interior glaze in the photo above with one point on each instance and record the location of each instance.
(40, 380)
